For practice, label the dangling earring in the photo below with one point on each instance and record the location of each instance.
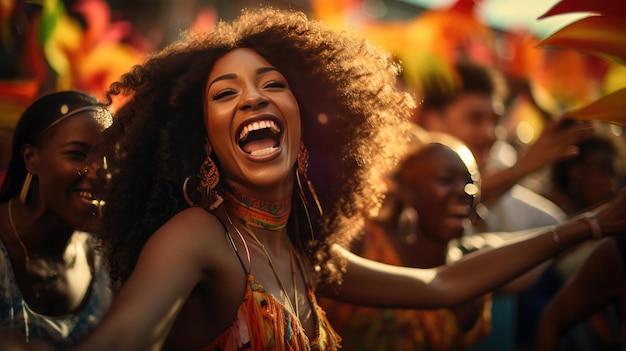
(25, 187)
(407, 225)
(301, 172)
(204, 185)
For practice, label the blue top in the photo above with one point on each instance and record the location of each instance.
(60, 331)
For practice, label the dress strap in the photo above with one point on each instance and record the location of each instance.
(232, 242)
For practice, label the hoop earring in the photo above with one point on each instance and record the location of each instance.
(25, 187)
(203, 186)
(301, 174)
(407, 225)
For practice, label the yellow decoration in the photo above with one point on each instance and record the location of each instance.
(610, 108)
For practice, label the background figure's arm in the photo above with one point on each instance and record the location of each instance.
(557, 142)
(595, 284)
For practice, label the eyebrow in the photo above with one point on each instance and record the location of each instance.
(260, 70)
(77, 143)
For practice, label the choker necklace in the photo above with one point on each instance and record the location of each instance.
(272, 215)
(294, 305)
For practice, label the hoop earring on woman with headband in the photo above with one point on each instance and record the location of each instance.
(25, 187)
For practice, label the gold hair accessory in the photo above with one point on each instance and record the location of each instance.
(102, 116)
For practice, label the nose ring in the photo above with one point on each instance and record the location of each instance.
(83, 172)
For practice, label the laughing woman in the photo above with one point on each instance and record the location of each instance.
(53, 284)
(291, 126)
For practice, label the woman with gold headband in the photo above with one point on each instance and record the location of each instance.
(291, 125)
(53, 284)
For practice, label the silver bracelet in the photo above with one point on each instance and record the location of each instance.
(556, 239)
(592, 219)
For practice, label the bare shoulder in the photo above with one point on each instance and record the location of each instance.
(192, 233)
(195, 219)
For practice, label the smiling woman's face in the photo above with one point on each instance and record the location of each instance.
(252, 120)
(59, 164)
(434, 181)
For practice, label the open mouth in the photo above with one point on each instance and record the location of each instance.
(90, 198)
(260, 137)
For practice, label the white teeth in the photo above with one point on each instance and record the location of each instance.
(99, 203)
(256, 126)
(265, 151)
(85, 195)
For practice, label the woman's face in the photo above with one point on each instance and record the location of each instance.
(253, 121)
(60, 163)
(435, 183)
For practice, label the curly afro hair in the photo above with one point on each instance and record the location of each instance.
(355, 123)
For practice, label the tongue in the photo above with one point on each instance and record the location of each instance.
(260, 144)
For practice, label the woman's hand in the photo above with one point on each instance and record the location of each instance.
(557, 142)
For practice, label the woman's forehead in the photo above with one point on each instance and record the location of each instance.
(80, 126)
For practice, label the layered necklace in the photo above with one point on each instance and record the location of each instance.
(47, 273)
(264, 214)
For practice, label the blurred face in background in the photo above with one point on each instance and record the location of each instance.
(596, 177)
(472, 119)
(433, 182)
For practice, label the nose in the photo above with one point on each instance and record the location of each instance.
(96, 168)
(253, 100)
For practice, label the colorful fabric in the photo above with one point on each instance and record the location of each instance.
(272, 215)
(264, 324)
(364, 328)
(63, 331)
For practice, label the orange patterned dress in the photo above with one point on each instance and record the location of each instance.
(264, 324)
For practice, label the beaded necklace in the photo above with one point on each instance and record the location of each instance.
(272, 215)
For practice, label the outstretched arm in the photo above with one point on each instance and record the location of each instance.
(599, 279)
(375, 284)
(557, 142)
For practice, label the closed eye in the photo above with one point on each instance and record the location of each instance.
(274, 84)
(223, 93)
(76, 155)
